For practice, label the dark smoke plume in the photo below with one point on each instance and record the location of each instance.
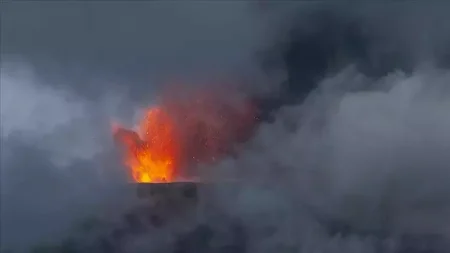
(350, 154)
(324, 40)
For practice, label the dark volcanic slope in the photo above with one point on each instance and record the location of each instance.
(172, 207)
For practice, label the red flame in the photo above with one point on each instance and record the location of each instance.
(181, 133)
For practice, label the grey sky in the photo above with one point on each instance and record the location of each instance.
(138, 41)
(69, 67)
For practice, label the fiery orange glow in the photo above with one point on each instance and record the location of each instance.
(152, 152)
(180, 133)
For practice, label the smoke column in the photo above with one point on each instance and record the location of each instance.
(352, 145)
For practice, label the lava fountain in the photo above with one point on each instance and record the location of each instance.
(151, 153)
(175, 136)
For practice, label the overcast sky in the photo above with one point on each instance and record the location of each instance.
(68, 68)
(137, 41)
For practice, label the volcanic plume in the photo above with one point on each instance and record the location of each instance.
(181, 132)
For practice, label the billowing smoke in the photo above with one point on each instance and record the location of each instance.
(351, 146)
(351, 149)
(371, 161)
(67, 71)
(55, 157)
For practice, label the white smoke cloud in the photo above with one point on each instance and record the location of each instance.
(375, 159)
(34, 111)
(56, 156)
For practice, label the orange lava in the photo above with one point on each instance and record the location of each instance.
(152, 152)
(181, 133)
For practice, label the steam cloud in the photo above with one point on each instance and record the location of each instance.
(357, 135)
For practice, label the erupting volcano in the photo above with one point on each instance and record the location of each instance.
(178, 134)
(152, 152)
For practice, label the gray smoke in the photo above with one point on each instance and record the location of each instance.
(67, 70)
(374, 160)
(366, 146)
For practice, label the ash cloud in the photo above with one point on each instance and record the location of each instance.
(351, 148)
(67, 70)
(374, 162)
(57, 161)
